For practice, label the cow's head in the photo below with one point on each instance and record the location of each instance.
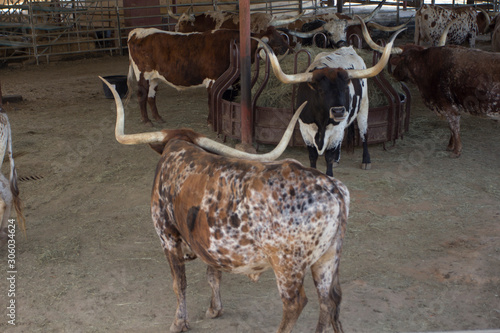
(159, 139)
(333, 73)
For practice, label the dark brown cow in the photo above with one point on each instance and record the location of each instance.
(182, 60)
(451, 79)
(245, 216)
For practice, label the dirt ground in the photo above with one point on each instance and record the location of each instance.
(422, 251)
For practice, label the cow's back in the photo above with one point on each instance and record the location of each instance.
(182, 60)
(268, 207)
(466, 79)
(431, 20)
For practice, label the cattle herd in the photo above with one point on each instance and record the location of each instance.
(245, 213)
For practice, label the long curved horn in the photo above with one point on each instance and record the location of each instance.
(172, 15)
(369, 16)
(371, 43)
(278, 72)
(224, 150)
(488, 19)
(387, 29)
(372, 71)
(308, 34)
(276, 23)
(444, 34)
(203, 142)
(374, 12)
(130, 139)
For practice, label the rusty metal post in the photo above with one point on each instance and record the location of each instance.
(245, 61)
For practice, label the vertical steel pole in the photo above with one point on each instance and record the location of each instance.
(245, 54)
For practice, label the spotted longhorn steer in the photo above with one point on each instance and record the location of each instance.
(182, 60)
(431, 20)
(9, 191)
(336, 89)
(213, 20)
(451, 80)
(242, 215)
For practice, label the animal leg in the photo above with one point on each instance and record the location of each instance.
(215, 310)
(366, 164)
(313, 156)
(142, 95)
(455, 143)
(326, 280)
(175, 256)
(332, 158)
(293, 296)
(153, 88)
(3, 223)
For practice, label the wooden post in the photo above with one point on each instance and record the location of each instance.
(245, 61)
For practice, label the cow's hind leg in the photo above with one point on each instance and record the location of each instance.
(326, 280)
(291, 288)
(172, 246)
(153, 88)
(142, 95)
(332, 158)
(215, 310)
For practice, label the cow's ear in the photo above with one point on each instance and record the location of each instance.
(157, 147)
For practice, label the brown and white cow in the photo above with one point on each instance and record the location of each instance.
(451, 80)
(337, 27)
(336, 89)
(9, 191)
(431, 20)
(245, 216)
(183, 60)
(213, 20)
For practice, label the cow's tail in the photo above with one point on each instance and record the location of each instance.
(16, 201)
(350, 139)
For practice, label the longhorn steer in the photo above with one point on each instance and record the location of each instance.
(336, 88)
(9, 192)
(182, 60)
(451, 80)
(431, 20)
(245, 216)
(213, 20)
(337, 27)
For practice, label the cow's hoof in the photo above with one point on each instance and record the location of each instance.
(366, 166)
(148, 123)
(179, 326)
(212, 313)
(160, 120)
(455, 155)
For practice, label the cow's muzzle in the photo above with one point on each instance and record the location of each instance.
(338, 113)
